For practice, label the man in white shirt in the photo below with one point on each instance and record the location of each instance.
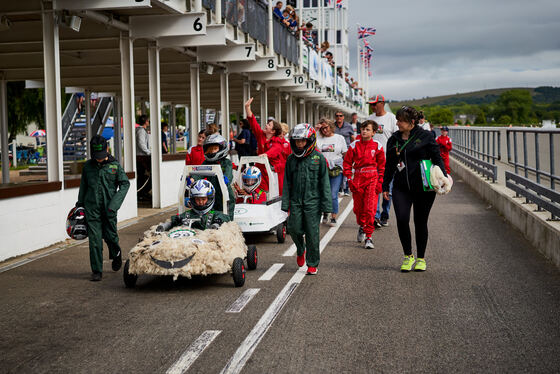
(387, 126)
(143, 164)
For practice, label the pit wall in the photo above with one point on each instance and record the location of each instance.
(543, 234)
(32, 222)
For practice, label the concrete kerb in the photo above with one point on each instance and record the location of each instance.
(543, 234)
(17, 261)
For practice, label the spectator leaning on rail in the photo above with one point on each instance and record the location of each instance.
(387, 126)
(103, 187)
(306, 196)
(405, 150)
(270, 143)
(445, 146)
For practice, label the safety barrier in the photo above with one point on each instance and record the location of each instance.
(484, 144)
(540, 138)
(485, 168)
(545, 198)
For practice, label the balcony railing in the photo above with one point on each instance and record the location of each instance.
(285, 42)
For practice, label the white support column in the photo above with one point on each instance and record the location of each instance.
(53, 112)
(127, 90)
(194, 109)
(197, 5)
(264, 103)
(295, 110)
(155, 122)
(88, 122)
(218, 12)
(290, 112)
(271, 29)
(4, 129)
(278, 106)
(246, 95)
(224, 104)
(317, 115)
(303, 113)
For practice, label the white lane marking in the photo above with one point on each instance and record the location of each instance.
(292, 250)
(271, 272)
(191, 354)
(246, 349)
(242, 300)
(74, 244)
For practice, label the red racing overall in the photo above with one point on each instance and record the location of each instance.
(368, 161)
(445, 147)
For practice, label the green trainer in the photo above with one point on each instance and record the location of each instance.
(420, 265)
(407, 263)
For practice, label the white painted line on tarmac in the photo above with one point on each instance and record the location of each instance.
(32, 258)
(271, 272)
(192, 353)
(242, 300)
(246, 349)
(292, 250)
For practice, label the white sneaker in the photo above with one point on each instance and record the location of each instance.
(325, 219)
(369, 244)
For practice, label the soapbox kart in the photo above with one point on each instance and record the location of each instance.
(184, 251)
(267, 217)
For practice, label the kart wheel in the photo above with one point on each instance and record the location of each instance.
(238, 271)
(129, 279)
(281, 232)
(252, 259)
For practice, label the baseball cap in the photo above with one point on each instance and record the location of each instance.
(376, 99)
(98, 147)
(445, 128)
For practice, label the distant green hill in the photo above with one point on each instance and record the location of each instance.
(541, 95)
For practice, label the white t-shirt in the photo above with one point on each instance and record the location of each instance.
(387, 126)
(332, 148)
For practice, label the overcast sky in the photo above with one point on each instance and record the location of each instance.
(438, 47)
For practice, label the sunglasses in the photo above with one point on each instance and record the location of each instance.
(340, 115)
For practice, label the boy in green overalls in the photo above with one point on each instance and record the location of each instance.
(307, 194)
(103, 187)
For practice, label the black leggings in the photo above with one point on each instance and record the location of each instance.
(422, 201)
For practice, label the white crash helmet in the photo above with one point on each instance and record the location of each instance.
(215, 139)
(251, 178)
(202, 188)
(303, 131)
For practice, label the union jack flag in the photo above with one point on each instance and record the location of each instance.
(339, 4)
(364, 32)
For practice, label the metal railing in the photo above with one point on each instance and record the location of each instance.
(485, 168)
(543, 197)
(537, 148)
(250, 16)
(69, 117)
(285, 42)
(483, 144)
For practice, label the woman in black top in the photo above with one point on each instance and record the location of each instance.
(405, 149)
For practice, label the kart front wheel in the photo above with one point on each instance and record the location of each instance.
(281, 232)
(238, 271)
(252, 259)
(129, 279)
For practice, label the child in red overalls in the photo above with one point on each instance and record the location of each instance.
(445, 147)
(367, 158)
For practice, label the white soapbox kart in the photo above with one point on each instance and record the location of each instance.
(267, 217)
(184, 251)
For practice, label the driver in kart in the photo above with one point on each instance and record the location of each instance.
(251, 191)
(201, 201)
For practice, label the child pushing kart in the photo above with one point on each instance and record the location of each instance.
(307, 194)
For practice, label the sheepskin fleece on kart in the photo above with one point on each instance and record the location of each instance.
(214, 251)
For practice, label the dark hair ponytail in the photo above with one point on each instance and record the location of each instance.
(408, 114)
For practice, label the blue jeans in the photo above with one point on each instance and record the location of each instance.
(335, 186)
(383, 206)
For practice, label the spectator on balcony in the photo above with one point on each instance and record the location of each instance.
(293, 21)
(329, 57)
(324, 48)
(278, 10)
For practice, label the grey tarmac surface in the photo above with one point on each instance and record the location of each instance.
(489, 302)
